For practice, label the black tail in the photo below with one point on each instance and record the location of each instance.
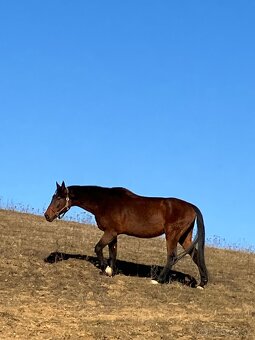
(201, 247)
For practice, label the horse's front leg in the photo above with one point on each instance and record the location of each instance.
(105, 240)
(111, 270)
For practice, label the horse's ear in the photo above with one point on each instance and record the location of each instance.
(61, 189)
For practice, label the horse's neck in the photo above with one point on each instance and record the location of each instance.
(86, 197)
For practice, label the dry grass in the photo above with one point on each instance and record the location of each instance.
(69, 299)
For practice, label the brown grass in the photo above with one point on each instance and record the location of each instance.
(69, 299)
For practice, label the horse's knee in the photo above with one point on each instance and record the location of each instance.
(98, 249)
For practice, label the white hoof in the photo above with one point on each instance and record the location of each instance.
(154, 282)
(199, 287)
(108, 271)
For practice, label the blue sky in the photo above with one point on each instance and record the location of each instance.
(156, 96)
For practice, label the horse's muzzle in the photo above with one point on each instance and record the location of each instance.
(48, 218)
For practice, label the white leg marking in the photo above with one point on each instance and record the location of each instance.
(154, 282)
(199, 287)
(108, 271)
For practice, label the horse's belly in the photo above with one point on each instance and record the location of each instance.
(145, 223)
(144, 231)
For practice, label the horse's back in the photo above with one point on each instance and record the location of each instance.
(123, 198)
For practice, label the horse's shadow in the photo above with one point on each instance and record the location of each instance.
(128, 268)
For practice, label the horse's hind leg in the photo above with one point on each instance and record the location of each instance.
(185, 241)
(171, 256)
(106, 239)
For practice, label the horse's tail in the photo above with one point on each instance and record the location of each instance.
(201, 247)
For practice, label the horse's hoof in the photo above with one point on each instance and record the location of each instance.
(108, 271)
(200, 287)
(154, 282)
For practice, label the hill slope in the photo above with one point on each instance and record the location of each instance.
(69, 299)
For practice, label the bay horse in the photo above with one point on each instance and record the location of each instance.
(120, 211)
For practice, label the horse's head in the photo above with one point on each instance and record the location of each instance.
(59, 204)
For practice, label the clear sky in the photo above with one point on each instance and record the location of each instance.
(155, 96)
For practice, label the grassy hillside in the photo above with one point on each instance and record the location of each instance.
(65, 297)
